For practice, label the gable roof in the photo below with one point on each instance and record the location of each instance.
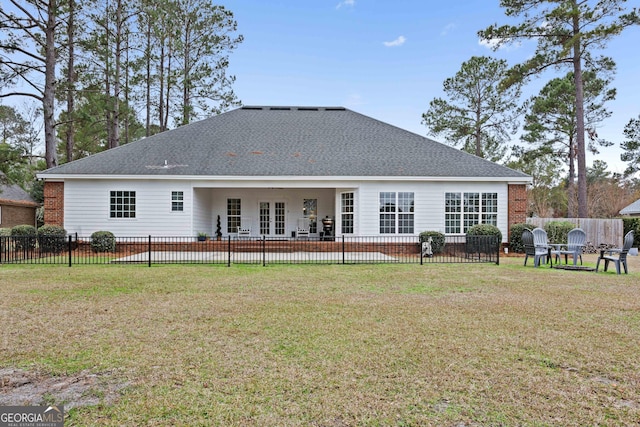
(13, 194)
(632, 209)
(287, 141)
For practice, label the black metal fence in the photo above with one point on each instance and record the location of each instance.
(76, 250)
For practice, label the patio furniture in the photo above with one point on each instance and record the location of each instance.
(244, 229)
(531, 249)
(576, 241)
(303, 228)
(621, 257)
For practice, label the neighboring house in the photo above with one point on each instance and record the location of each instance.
(269, 168)
(632, 210)
(17, 207)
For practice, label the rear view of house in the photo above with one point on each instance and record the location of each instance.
(278, 171)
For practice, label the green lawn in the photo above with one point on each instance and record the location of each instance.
(330, 345)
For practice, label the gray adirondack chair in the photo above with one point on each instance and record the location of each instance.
(576, 241)
(621, 257)
(530, 249)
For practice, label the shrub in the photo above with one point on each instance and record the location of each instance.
(5, 232)
(103, 241)
(515, 241)
(557, 230)
(484, 230)
(24, 237)
(52, 238)
(437, 240)
(629, 224)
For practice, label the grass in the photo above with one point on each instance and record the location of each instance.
(365, 345)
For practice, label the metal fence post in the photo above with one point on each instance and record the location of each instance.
(149, 250)
(229, 250)
(69, 250)
(343, 248)
(264, 254)
(499, 246)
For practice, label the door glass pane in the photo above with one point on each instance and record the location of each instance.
(279, 219)
(265, 218)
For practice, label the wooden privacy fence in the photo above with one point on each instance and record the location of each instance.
(608, 232)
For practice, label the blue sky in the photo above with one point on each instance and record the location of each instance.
(388, 60)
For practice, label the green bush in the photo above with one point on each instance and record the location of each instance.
(629, 224)
(557, 230)
(103, 241)
(52, 238)
(515, 240)
(483, 230)
(24, 237)
(437, 240)
(5, 232)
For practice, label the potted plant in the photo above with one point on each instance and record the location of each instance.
(218, 229)
(202, 237)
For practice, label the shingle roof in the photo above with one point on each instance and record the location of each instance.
(13, 193)
(287, 141)
(632, 209)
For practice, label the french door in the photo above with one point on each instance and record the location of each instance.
(272, 218)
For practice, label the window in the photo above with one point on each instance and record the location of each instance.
(346, 212)
(464, 210)
(122, 204)
(490, 208)
(177, 201)
(233, 215)
(310, 210)
(396, 213)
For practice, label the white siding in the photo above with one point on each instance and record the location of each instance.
(87, 204)
(429, 203)
(86, 208)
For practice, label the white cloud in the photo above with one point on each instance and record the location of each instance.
(346, 3)
(397, 42)
(447, 29)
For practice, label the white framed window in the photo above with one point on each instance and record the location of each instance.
(464, 210)
(122, 204)
(396, 212)
(234, 212)
(346, 212)
(177, 201)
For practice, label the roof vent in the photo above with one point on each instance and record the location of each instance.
(279, 108)
(252, 108)
(335, 109)
(307, 109)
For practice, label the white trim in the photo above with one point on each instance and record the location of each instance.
(269, 181)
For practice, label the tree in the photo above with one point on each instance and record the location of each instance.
(478, 114)
(551, 121)
(544, 198)
(631, 146)
(567, 32)
(28, 42)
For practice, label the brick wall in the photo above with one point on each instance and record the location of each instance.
(17, 215)
(54, 203)
(517, 204)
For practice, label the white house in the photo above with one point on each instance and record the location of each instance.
(269, 169)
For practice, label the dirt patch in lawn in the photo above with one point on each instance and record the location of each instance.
(19, 387)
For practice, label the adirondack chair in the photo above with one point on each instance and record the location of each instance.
(621, 257)
(244, 229)
(576, 241)
(303, 227)
(538, 252)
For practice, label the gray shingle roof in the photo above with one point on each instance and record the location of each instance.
(287, 141)
(13, 193)
(632, 209)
